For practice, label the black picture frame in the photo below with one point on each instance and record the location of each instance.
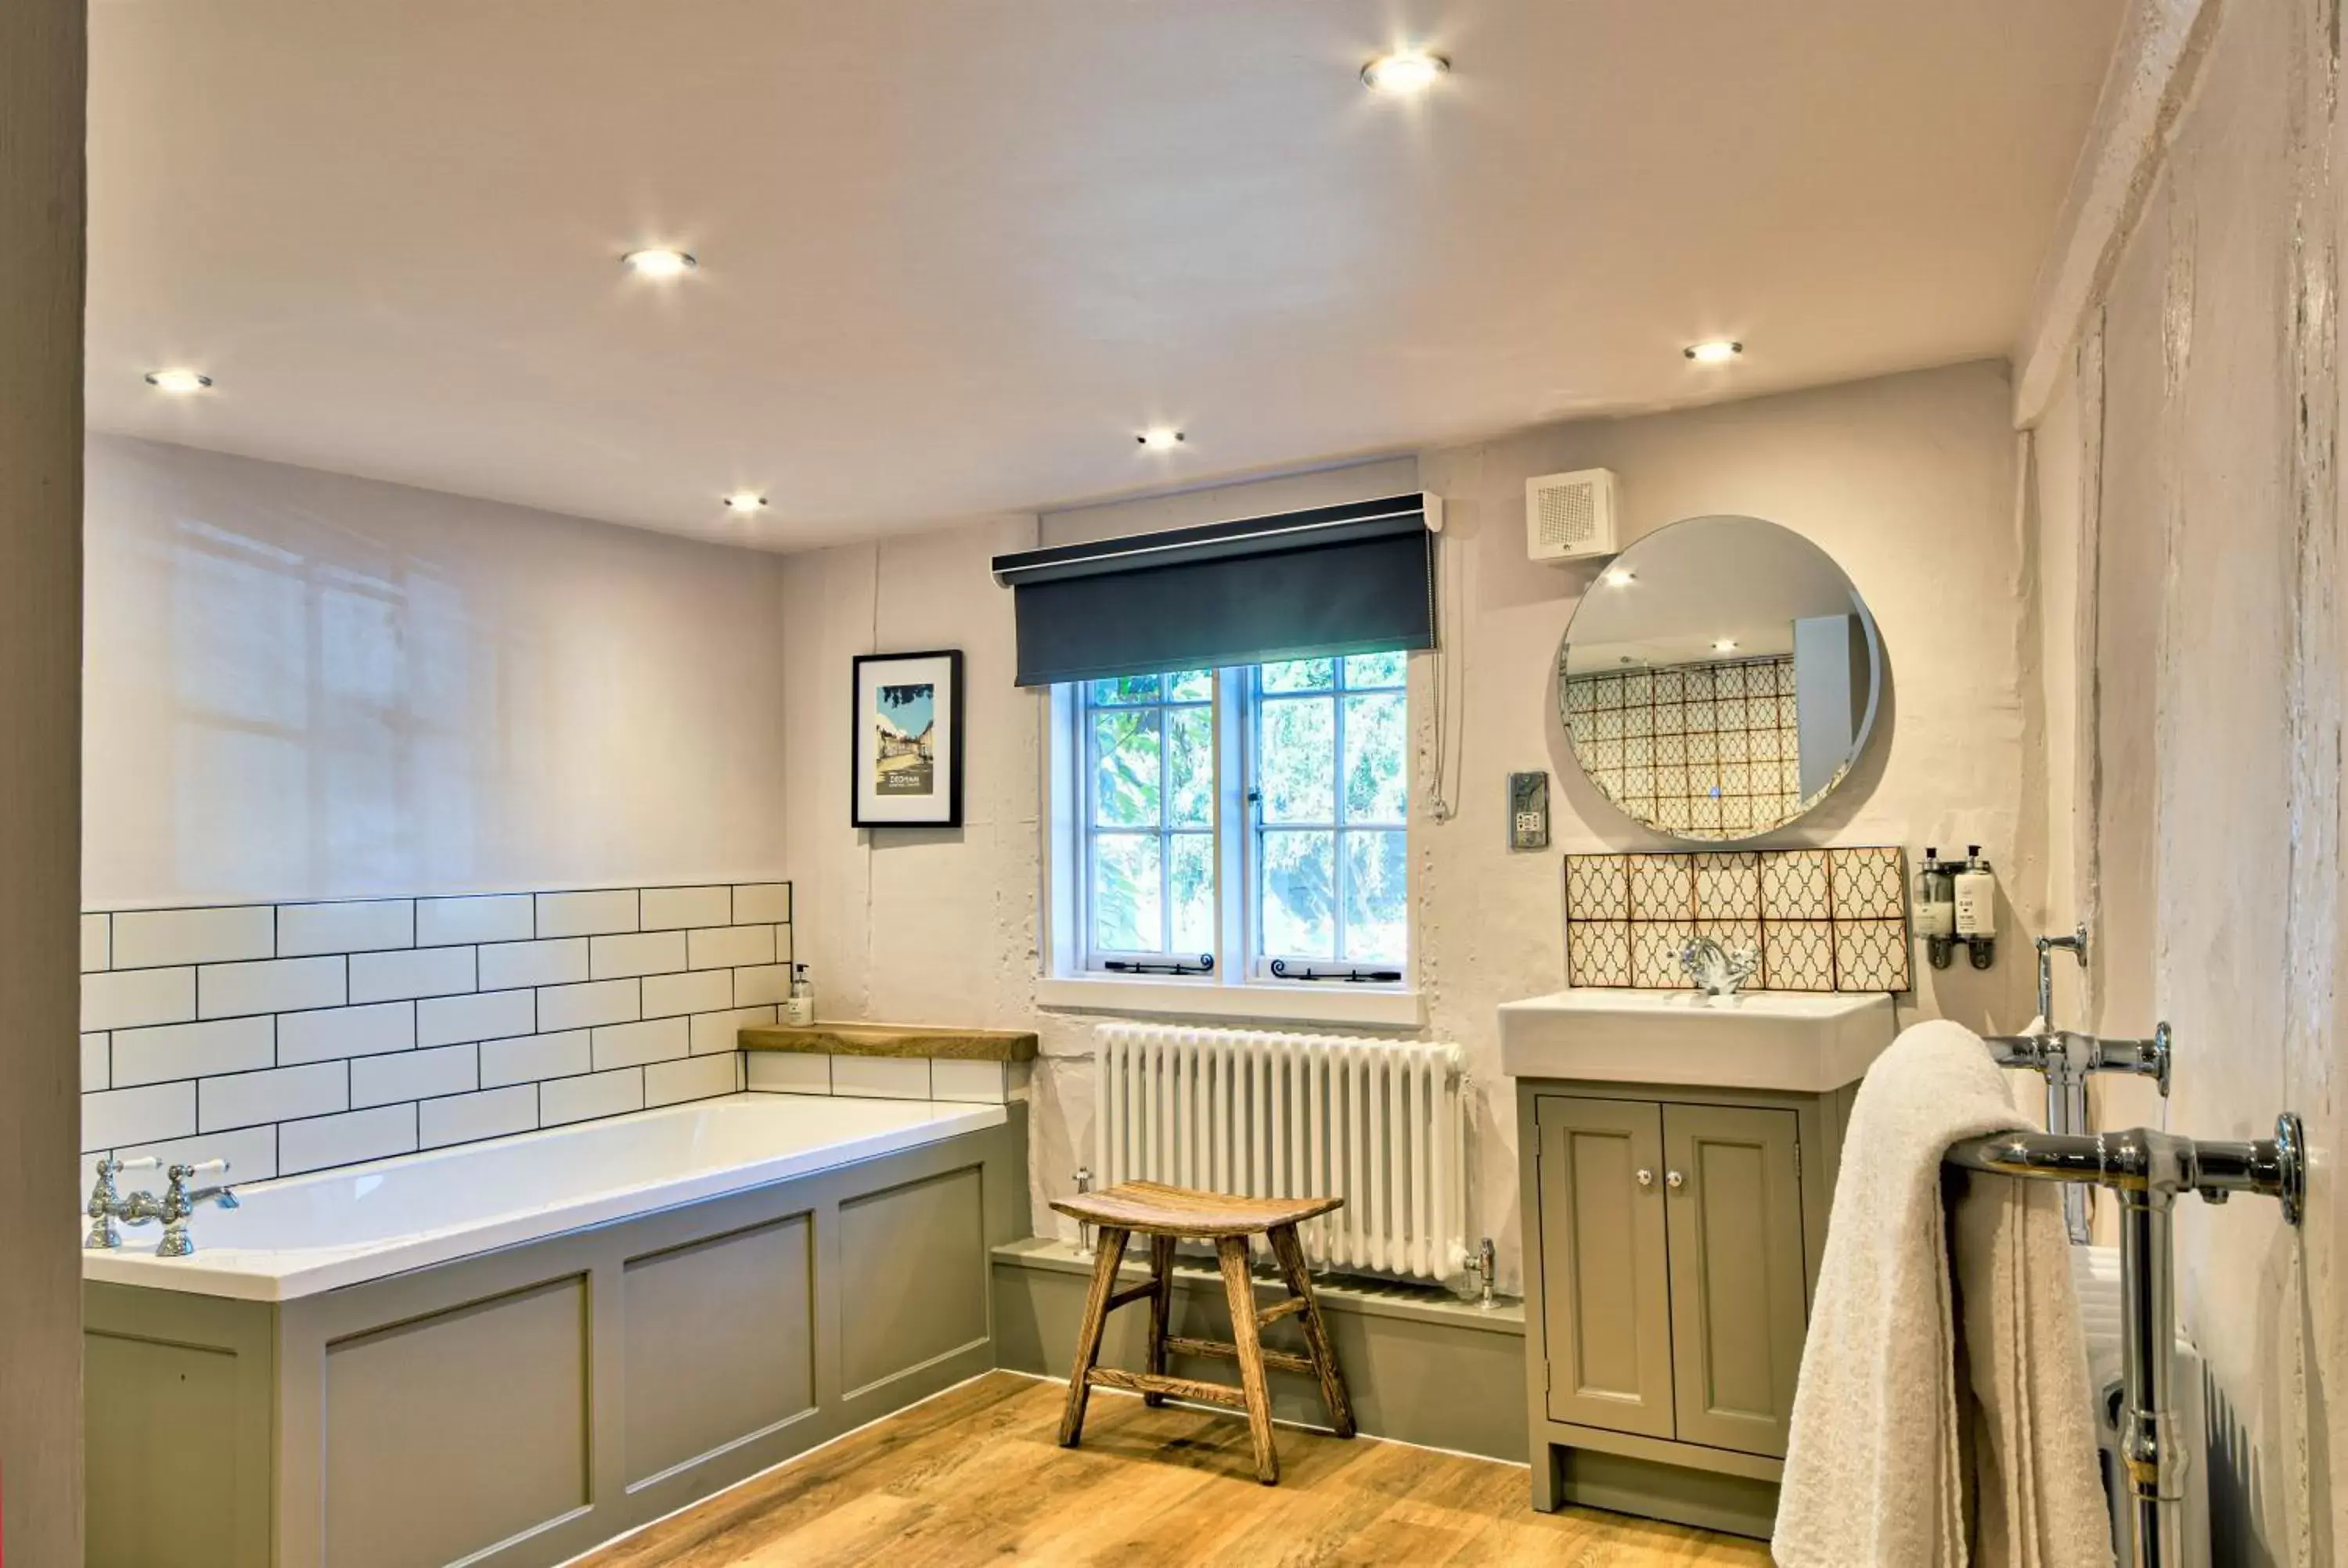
(867, 806)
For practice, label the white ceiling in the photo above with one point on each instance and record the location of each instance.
(954, 254)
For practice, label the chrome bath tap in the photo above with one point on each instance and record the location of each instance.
(107, 1205)
(1717, 970)
(172, 1210)
(182, 1201)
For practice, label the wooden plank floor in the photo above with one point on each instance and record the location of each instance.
(975, 1476)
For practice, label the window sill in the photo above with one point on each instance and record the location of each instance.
(1379, 1007)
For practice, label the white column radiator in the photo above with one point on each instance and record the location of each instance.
(1380, 1123)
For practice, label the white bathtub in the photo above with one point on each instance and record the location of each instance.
(303, 1234)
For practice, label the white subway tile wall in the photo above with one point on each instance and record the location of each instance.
(327, 1141)
(805, 1072)
(881, 1077)
(500, 917)
(303, 1036)
(358, 927)
(96, 935)
(561, 1100)
(676, 908)
(334, 1033)
(533, 963)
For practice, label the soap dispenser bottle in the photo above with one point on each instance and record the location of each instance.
(1977, 908)
(798, 1008)
(1936, 909)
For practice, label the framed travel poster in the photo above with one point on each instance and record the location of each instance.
(907, 742)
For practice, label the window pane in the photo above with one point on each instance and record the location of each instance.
(1126, 689)
(1190, 686)
(1125, 769)
(1191, 874)
(1303, 675)
(1300, 895)
(1299, 766)
(1125, 894)
(1374, 914)
(1365, 669)
(1189, 767)
(1374, 741)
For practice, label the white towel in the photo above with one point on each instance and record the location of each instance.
(1918, 1440)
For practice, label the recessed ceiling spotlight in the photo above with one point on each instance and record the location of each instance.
(1718, 351)
(1617, 578)
(1160, 438)
(659, 262)
(744, 501)
(1724, 645)
(178, 380)
(1405, 72)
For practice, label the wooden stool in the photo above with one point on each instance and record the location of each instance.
(1165, 1214)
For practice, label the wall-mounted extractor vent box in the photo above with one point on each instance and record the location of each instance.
(1570, 517)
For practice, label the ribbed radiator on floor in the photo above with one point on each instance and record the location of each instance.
(1380, 1123)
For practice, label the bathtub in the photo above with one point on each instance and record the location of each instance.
(302, 1235)
(506, 1353)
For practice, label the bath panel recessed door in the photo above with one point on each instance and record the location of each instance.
(912, 1278)
(451, 1433)
(162, 1409)
(1606, 1314)
(1739, 1304)
(719, 1344)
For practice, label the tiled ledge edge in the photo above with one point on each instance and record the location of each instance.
(895, 1040)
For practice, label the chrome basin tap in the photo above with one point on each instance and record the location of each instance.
(1717, 970)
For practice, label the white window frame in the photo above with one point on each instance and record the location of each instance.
(1096, 961)
(1260, 962)
(1239, 987)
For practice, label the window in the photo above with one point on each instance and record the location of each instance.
(1245, 824)
(1149, 747)
(1330, 789)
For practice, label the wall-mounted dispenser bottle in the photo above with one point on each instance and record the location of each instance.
(798, 1008)
(1976, 888)
(1936, 909)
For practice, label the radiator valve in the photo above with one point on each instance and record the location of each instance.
(1083, 1180)
(1484, 1268)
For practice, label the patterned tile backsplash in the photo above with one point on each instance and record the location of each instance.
(296, 1037)
(1823, 919)
(1704, 751)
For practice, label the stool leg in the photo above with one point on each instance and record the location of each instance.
(1088, 1333)
(1232, 1252)
(1290, 1253)
(1162, 1308)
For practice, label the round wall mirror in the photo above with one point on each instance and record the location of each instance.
(1719, 678)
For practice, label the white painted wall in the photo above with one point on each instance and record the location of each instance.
(303, 684)
(1909, 481)
(2189, 461)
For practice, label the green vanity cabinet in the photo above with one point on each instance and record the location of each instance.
(1606, 1313)
(1673, 1238)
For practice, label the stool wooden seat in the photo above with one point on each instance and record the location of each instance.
(1167, 1214)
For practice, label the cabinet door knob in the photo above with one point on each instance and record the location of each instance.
(1646, 1177)
(1675, 1181)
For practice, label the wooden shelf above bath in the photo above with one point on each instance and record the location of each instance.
(894, 1040)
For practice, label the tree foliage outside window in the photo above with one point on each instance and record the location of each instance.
(1327, 793)
(1331, 739)
(1151, 784)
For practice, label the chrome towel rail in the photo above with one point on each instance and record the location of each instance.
(2066, 1057)
(2148, 1170)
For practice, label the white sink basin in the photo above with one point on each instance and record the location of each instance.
(1762, 1040)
